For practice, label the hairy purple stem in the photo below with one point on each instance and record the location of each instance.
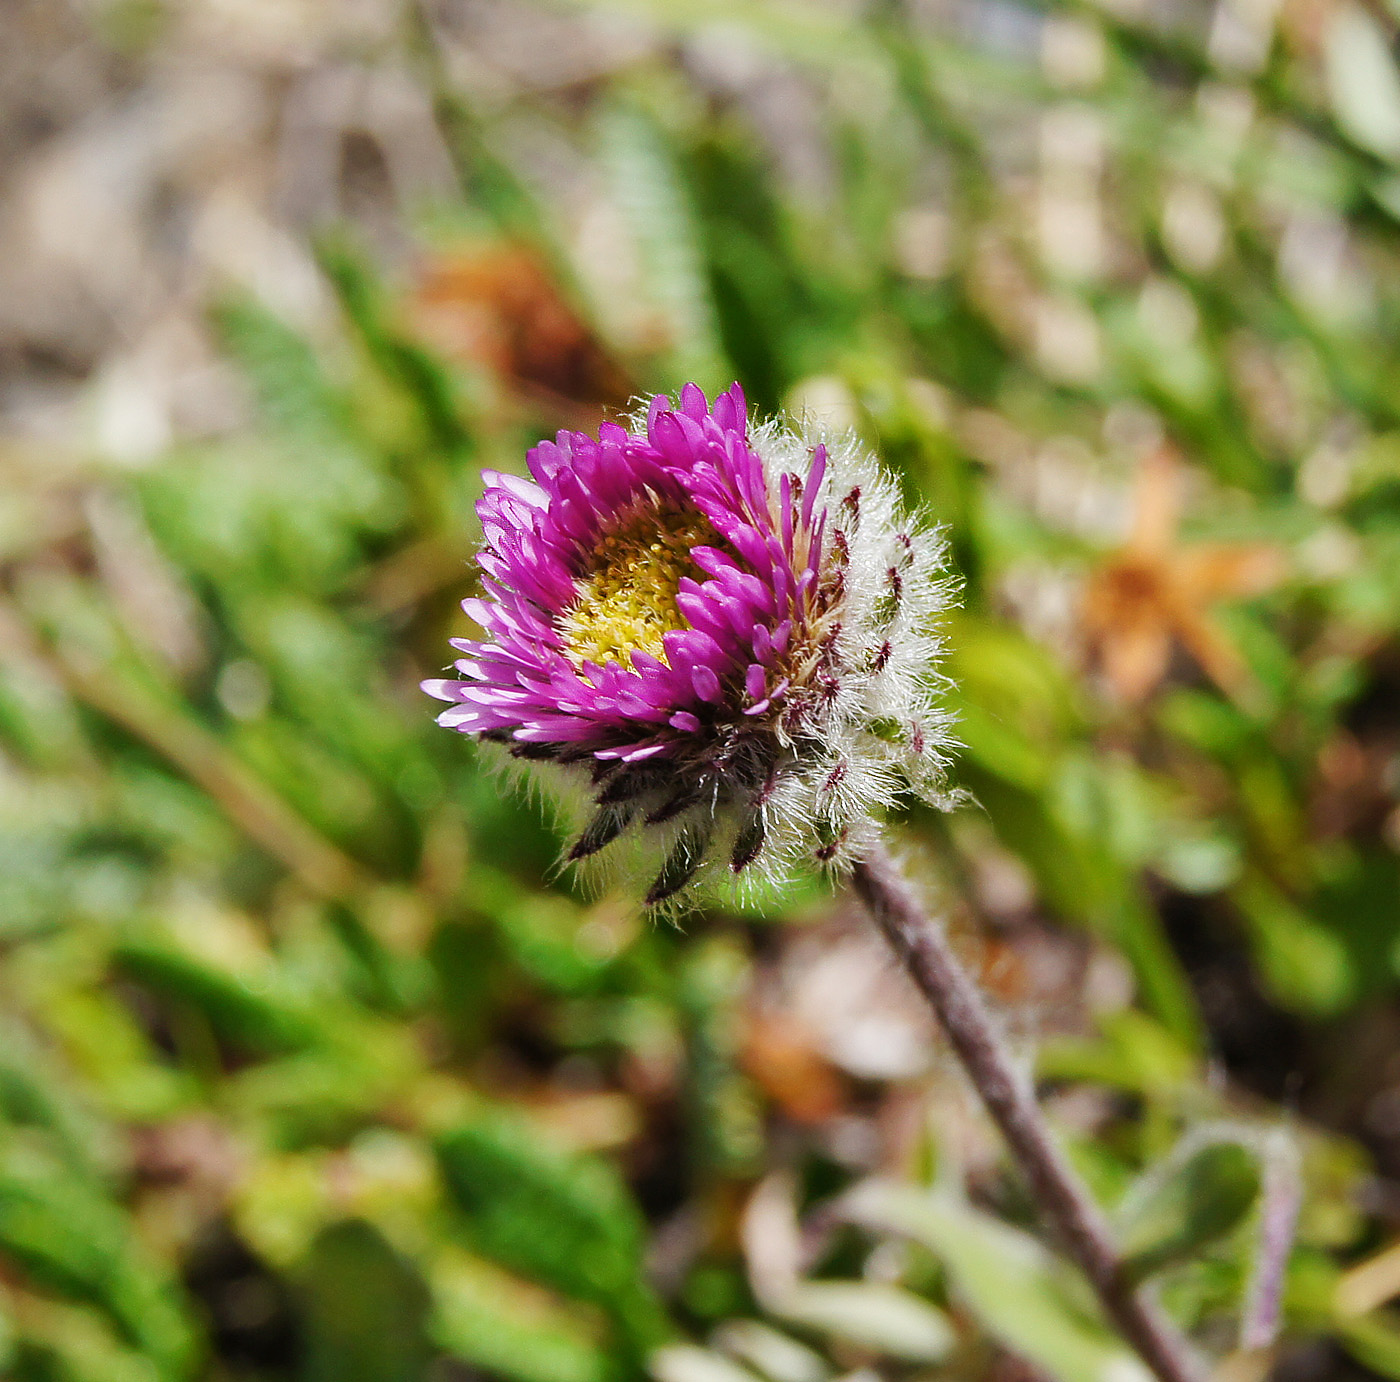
(1281, 1200)
(1075, 1219)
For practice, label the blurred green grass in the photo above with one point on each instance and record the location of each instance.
(315, 1066)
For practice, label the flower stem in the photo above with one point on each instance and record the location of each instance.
(1281, 1201)
(1076, 1220)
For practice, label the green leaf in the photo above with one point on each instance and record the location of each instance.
(292, 388)
(420, 378)
(70, 1239)
(1133, 1052)
(562, 1219)
(773, 1353)
(61, 1342)
(492, 1320)
(1006, 1278)
(1190, 1203)
(239, 1007)
(34, 1091)
(870, 1315)
(1362, 80)
(686, 1363)
(1306, 965)
(1374, 1341)
(366, 1309)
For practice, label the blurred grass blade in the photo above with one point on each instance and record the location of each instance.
(420, 376)
(649, 189)
(291, 385)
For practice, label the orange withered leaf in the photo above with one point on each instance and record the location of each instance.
(1155, 591)
(782, 1056)
(499, 306)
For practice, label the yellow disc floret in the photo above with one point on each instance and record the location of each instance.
(627, 599)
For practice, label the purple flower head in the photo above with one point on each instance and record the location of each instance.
(724, 633)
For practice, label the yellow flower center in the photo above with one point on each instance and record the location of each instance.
(627, 600)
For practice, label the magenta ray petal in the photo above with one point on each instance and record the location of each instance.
(541, 536)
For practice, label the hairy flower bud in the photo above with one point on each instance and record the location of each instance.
(724, 634)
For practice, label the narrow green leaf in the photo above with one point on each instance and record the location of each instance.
(871, 1315)
(1006, 1278)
